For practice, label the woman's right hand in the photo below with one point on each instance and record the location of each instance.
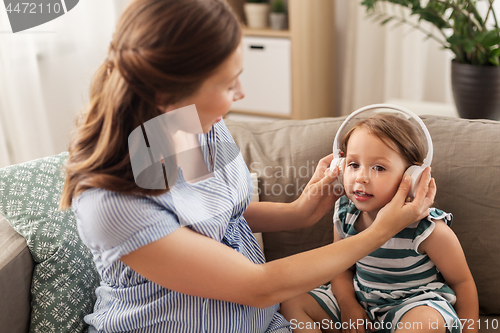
(399, 213)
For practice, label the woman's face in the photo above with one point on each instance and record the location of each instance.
(216, 95)
(373, 171)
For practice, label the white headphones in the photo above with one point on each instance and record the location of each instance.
(415, 171)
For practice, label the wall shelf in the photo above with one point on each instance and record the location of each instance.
(266, 33)
(261, 114)
(312, 54)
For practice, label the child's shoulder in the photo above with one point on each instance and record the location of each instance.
(434, 216)
(422, 229)
(437, 214)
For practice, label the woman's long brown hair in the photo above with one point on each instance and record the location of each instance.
(160, 47)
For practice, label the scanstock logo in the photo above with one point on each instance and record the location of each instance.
(169, 143)
(28, 14)
(171, 152)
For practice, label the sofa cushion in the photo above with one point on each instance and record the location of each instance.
(466, 167)
(64, 277)
(16, 269)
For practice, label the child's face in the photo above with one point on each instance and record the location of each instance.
(373, 171)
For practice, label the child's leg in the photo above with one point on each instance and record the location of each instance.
(306, 315)
(421, 319)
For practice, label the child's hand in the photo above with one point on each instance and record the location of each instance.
(350, 314)
(399, 213)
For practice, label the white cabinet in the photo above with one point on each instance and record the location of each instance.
(266, 77)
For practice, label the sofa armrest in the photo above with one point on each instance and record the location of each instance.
(16, 270)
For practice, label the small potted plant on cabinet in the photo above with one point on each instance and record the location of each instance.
(257, 13)
(278, 15)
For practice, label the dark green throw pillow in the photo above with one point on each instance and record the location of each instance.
(65, 277)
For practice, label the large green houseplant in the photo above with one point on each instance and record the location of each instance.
(471, 32)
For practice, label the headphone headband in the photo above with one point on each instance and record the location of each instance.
(428, 158)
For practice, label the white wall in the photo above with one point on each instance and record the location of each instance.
(45, 77)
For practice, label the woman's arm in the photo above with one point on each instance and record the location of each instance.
(268, 216)
(444, 249)
(314, 202)
(190, 263)
(193, 264)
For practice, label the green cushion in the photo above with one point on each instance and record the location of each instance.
(65, 277)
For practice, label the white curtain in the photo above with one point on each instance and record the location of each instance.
(45, 75)
(380, 63)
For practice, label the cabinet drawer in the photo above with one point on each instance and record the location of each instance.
(266, 76)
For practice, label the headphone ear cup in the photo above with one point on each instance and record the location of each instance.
(339, 182)
(415, 172)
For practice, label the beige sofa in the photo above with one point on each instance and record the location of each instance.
(284, 154)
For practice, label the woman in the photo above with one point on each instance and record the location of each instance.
(155, 275)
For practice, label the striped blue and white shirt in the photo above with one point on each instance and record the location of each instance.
(113, 225)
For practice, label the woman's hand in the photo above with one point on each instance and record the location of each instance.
(320, 193)
(399, 213)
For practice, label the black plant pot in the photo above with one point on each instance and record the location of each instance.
(476, 90)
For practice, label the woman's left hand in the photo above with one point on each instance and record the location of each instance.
(320, 193)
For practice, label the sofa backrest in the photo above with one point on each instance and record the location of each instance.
(466, 167)
(16, 270)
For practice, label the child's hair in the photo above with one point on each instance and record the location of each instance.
(397, 133)
(161, 48)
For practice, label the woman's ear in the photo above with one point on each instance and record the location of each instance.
(162, 100)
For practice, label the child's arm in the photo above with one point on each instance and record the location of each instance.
(343, 290)
(444, 249)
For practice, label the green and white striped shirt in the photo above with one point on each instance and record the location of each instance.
(396, 277)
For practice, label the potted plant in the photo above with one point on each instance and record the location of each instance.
(257, 13)
(278, 15)
(474, 38)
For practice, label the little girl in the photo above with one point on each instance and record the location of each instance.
(419, 280)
